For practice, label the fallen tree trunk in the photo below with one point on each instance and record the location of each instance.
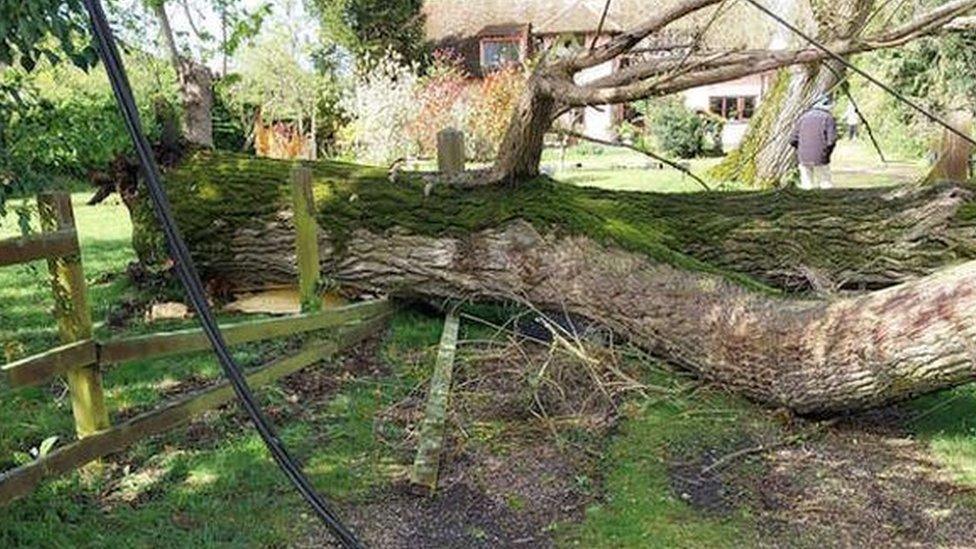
(617, 258)
(235, 212)
(810, 356)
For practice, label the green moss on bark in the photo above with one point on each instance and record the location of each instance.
(740, 165)
(754, 238)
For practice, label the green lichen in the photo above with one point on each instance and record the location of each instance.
(740, 165)
(214, 194)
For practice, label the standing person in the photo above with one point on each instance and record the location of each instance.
(852, 119)
(814, 139)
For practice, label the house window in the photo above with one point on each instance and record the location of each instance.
(497, 53)
(733, 107)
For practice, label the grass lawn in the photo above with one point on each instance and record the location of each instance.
(202, 486)
(213, 483)
(855, 164)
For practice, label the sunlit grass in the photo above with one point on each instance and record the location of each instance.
(226, 490)
(223, 490)
(855, 164)
(946, 421)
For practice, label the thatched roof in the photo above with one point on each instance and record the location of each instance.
(453, 19)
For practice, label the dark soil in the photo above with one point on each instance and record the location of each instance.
(483, 500)
(863, 482)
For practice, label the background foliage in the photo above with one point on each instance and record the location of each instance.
(369, 29)
(678, 131)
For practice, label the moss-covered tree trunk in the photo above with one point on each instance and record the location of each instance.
(687, 276)
(765, 158)
(236, 213)
(955, 153)
(520, 152)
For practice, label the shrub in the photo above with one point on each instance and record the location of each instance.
(679, 131)
(490, 110)
(380, 106)
(393, 112)
(440, 101)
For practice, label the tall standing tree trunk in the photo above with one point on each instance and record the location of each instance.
(955, 153)
(196, 87)
(765, 157)
(520, 153)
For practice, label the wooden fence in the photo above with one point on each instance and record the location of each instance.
(81, 358)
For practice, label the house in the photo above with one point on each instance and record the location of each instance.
(489, 34)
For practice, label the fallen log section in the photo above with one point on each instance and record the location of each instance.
(696, 278)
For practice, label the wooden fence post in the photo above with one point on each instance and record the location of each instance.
(73, 316)
(306, 239)
(450, 151)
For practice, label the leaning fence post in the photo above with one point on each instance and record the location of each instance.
(73, 316)
(306, 238)
(450, 151)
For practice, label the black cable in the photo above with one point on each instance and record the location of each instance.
(188, 276)
(931, 116)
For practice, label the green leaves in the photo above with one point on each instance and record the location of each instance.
(372, 28)
(52, 29)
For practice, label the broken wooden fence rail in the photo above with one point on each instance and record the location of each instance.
(80, 359)
(194, 339)
(427, 462)
(24, 249)
(42, 368)
(22, 480)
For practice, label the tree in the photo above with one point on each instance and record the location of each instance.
(195, 78)
(50, 28)
(693, 278)
(272, 79)
(688, 277)
(765, 157)
(373, 28)
(941, 71)
(30, 31)
(552, 90)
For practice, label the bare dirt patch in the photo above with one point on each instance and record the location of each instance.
(484, 500)
(509, 488)
(863, 482)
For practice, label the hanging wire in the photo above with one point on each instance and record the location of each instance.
(187, 273)
(840, 59)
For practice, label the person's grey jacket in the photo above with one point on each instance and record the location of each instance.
(814, 137)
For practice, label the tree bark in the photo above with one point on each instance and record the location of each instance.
(238, 223)
(814, 357)
(955, 153)
(765, 157)
(656, 268)
(521, 149)
(196, 87)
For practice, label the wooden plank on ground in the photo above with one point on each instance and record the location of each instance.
(41, 368)
(428, 458)
(191, 340)
(14, 251)
(22, 480)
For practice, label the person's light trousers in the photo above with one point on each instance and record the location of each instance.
(815, 177)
